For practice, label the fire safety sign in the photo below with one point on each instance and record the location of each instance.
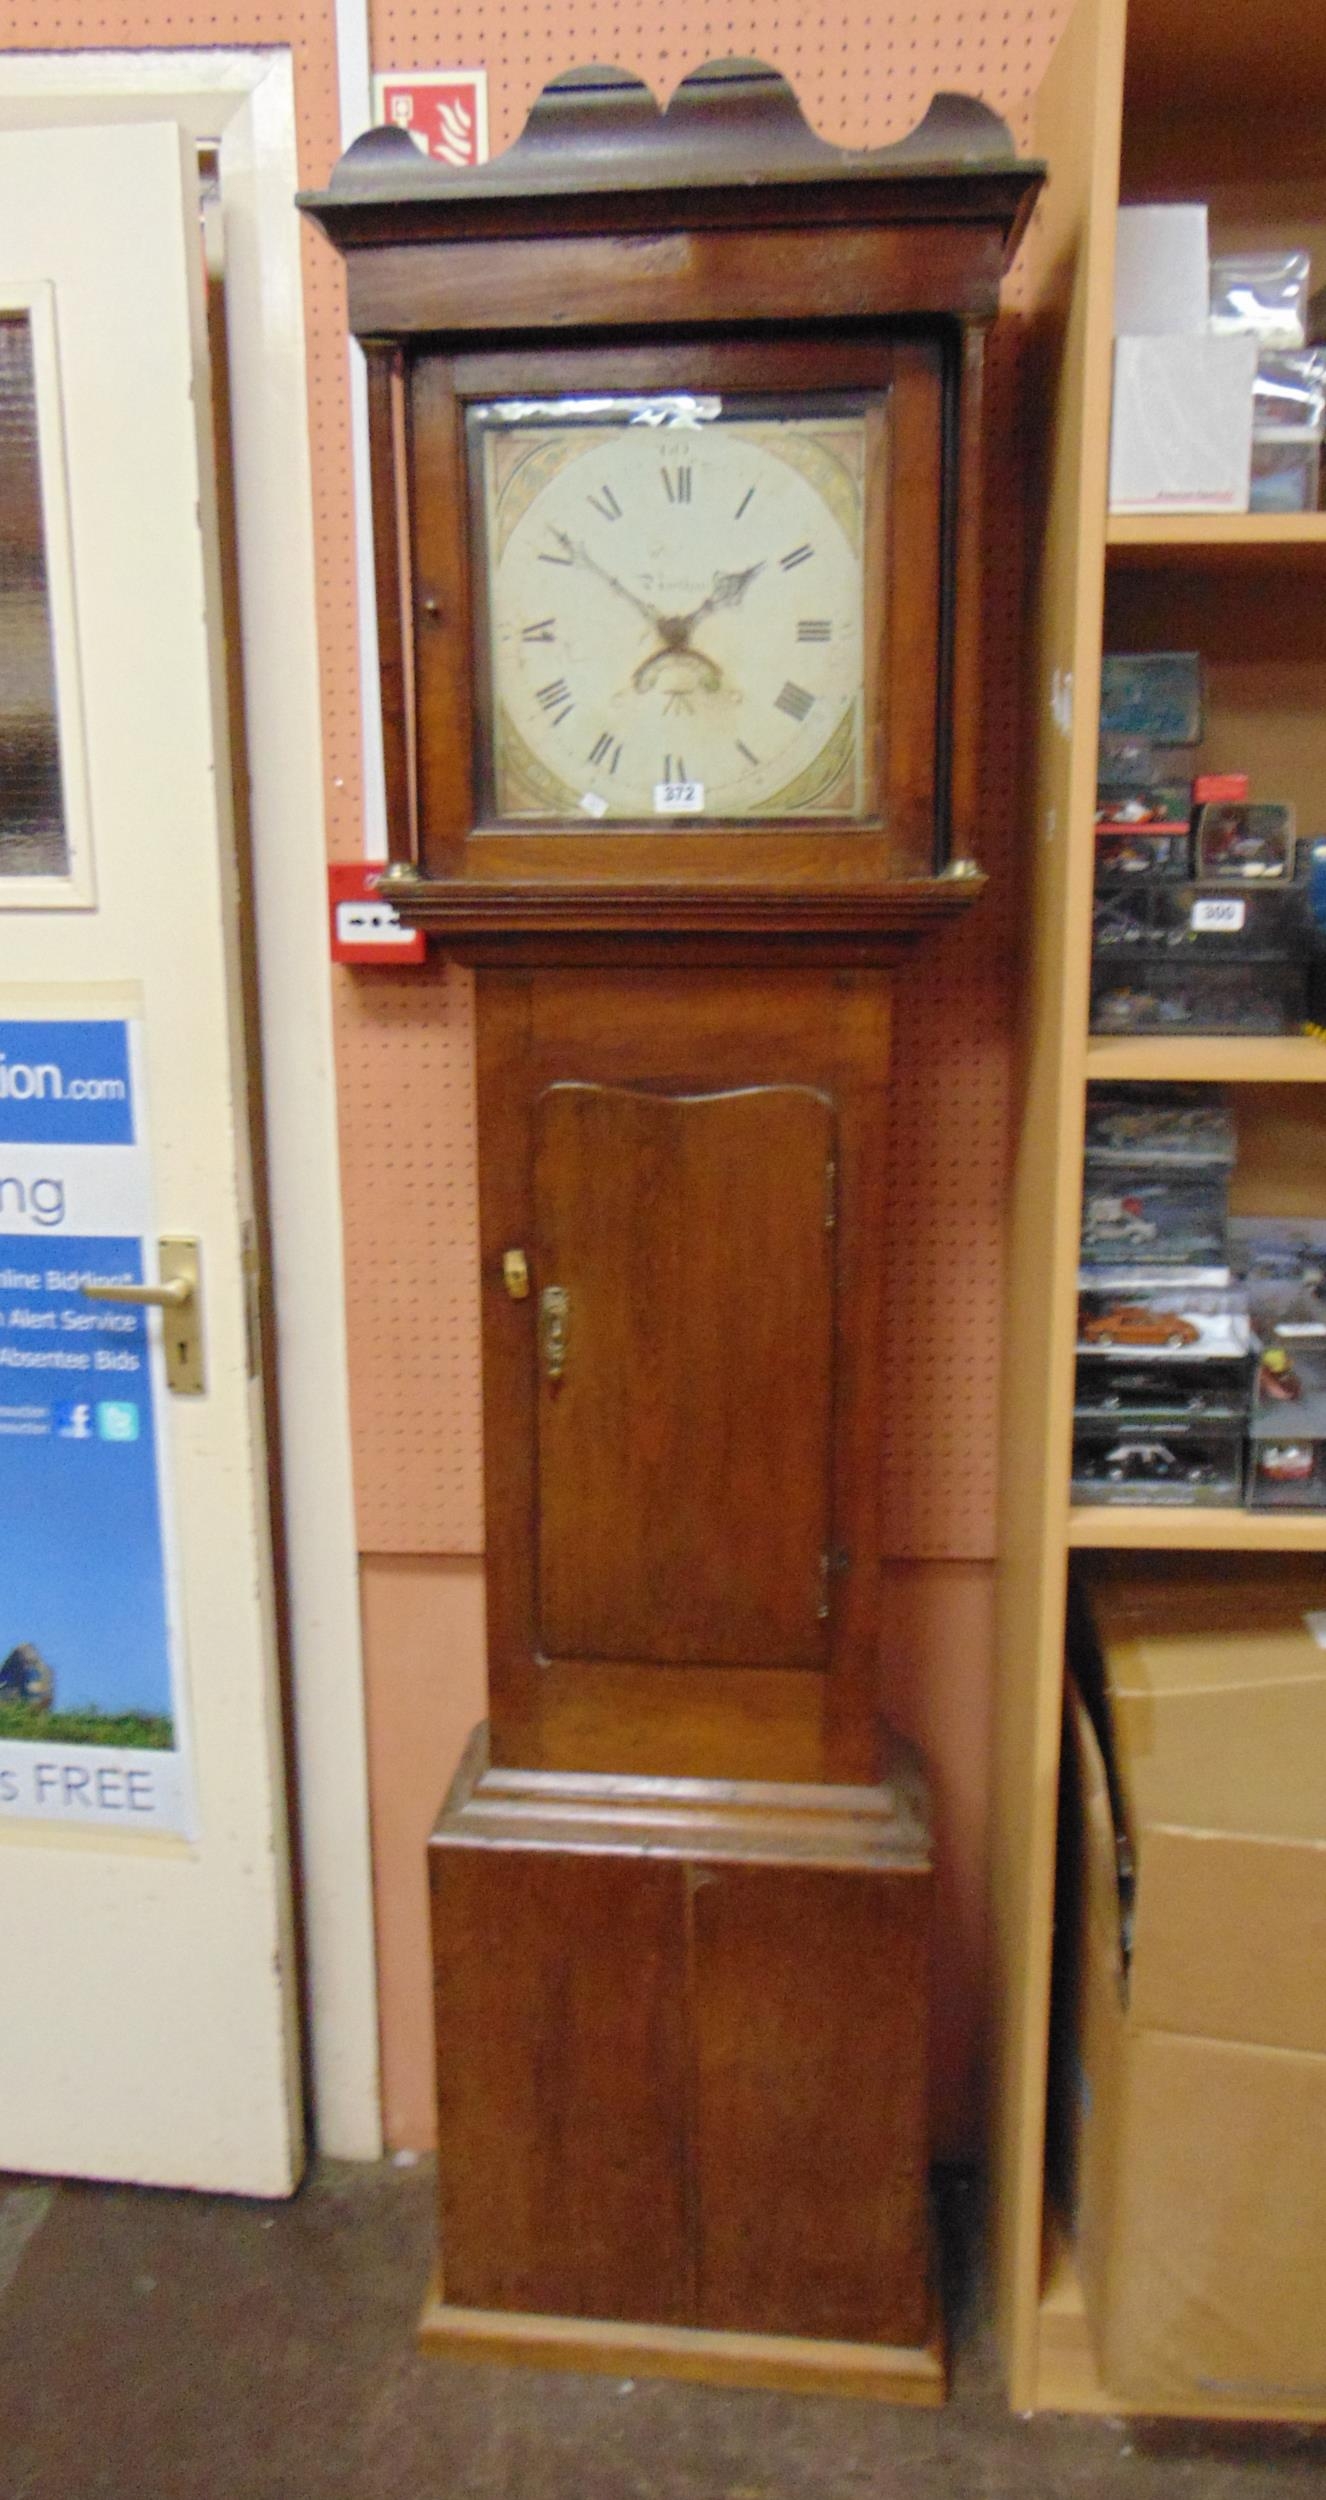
(445, 111)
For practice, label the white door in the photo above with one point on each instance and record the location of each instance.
(148, 2022)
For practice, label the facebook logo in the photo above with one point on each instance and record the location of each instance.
(74, 1422)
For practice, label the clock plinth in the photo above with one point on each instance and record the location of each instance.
(682, 2061)
(675, 424)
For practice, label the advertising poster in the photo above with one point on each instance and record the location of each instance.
(90, 1667)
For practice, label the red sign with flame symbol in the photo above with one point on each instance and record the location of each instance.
(444, 110)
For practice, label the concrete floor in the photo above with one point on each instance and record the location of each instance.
(162, 2347)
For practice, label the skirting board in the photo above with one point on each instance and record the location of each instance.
(621, 2348)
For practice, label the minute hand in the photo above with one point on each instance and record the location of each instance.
(581, 555)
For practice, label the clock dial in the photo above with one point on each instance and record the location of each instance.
(676, 614)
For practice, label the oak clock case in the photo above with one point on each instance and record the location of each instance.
(704, 541)
(676, 453)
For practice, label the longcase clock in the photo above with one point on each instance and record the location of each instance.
(676, 450)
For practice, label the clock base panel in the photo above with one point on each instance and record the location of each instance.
(682, 2072)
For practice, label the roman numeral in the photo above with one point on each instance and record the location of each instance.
(606, 502)
(603, 748)
(542, 632)
(674, 769)
(798, 555)
(813, 629)
(743, 503)
(795, 701)
(742, 748)
(677, 488)
(557, 700)
(546, 557)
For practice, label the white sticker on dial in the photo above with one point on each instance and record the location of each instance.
(679, 798)
(593, 805)
(1219, 914)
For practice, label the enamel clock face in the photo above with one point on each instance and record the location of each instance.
(675, 609)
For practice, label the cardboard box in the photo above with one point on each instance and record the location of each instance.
(1200, 2119)
(1162, 270)
(1181, 431)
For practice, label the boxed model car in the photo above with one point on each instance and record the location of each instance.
(1186, 1461)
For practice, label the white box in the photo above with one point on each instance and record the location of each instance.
(1181, 437)
(1162, 272)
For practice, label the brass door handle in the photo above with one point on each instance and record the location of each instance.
(554, 1321)
(179, 1293)
(166, 1297)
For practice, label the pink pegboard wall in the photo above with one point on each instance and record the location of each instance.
(412, 1257)
(863, 76)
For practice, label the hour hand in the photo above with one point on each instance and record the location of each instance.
(728, 592)
(730, 588)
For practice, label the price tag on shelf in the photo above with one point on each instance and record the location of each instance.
(1219, 915)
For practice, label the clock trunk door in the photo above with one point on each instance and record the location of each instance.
(686, 1389)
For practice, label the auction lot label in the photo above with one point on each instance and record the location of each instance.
(90, 1665)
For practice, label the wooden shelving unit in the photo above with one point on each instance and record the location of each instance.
(1143, 100)
(1211, 1531)
(1236, 538)
(1206, 1060)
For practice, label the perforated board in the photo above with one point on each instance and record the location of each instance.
(412, 1256)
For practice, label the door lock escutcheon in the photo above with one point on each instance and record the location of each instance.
(515, 1274)
(179, 1298)
(554, 1323)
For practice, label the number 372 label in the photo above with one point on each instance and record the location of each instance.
(679, 798)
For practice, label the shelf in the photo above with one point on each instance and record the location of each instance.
(1215, 1059)
(1215, 1531)
(1242, 538)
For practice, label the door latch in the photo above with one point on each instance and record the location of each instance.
(179, 1299)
